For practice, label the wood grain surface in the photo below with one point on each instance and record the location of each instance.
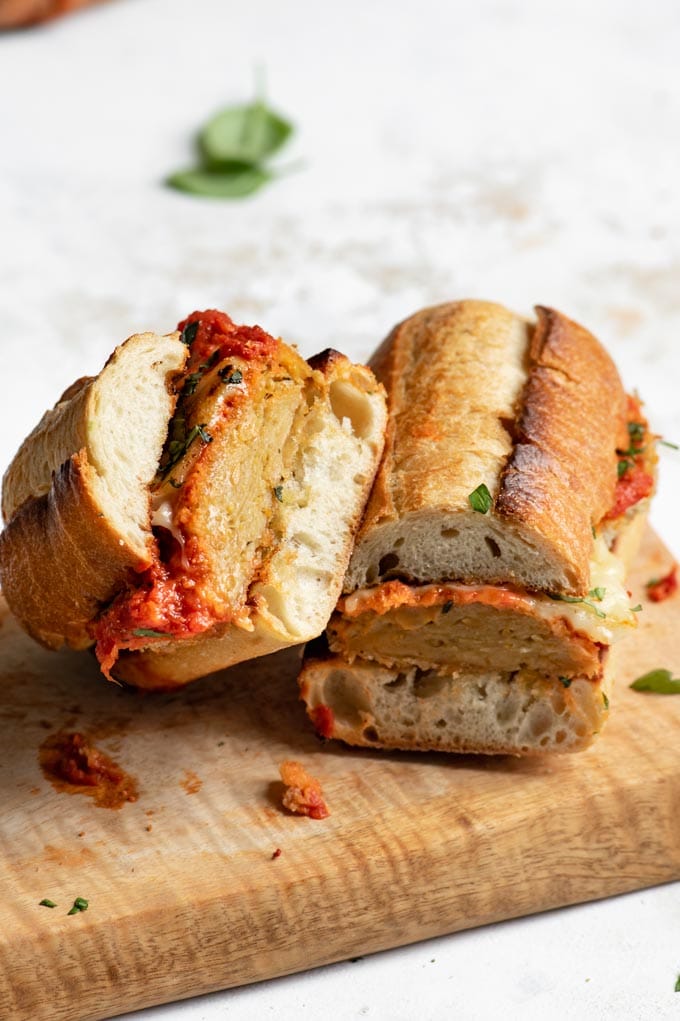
(184, 894)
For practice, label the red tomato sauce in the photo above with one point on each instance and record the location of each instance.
(323, 720)
(217, 332)
(663, 588)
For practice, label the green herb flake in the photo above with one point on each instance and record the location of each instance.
(230, 376)
(221, 184)
(597, 593)
(79, 904)
(47, 903)
(575, 599)
(480, 499)
(147, 632)
(660, 682)
(605, 700)
(636, 431)
(243, 134)
(592, 529)
(448, 606)
(190, 383)
(667, 443)
(623, 467)
(278, 493)
(677, 984)
(188, 335)
(565, 682)
(636, 609)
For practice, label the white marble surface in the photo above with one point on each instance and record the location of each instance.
(520, 150)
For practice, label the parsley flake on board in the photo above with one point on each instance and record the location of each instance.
(480, 499)
(660, 681)
(79, 904)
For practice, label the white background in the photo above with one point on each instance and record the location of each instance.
(519, 150)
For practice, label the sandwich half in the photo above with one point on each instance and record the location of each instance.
(488, 577)
(194, 505)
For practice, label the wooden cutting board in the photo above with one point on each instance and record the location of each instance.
(184, 894)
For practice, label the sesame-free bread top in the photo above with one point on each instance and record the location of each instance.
(479, 396)
(75, 498)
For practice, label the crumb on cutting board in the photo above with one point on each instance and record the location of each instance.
(303, 794)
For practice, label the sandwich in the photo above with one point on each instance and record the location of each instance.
(194, 504)
(487, 581)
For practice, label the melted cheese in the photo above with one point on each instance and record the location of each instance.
(584, 617)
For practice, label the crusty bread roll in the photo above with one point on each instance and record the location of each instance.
(478, 395)
(508, 504)
(493, 712)
(199, 500)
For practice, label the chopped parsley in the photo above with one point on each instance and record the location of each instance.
(278, 493)
(677, 984)
(636, 431)
(47, 903)
(480, 499)
(190, 383)
(660, 681)
(576, 599)
(448, 606)
(623, 466)
(180, 443)
(636, 609)
(565, 681)
(79, 904)
(148, 632)
(230, 376)
(597, 593)
(667, 443)
(605, 700)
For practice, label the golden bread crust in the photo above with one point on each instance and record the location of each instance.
(61, 558)
(561, 476)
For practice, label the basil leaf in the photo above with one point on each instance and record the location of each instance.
(147, 632)
(220, 184)
(480, 499)
(661, 682)
(188, 335)
(245, 133)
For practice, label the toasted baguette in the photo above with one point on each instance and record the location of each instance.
(485, 627)
(323, 479)
(478, 395)
(194, 505)
(76, 497)
(492, 712)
